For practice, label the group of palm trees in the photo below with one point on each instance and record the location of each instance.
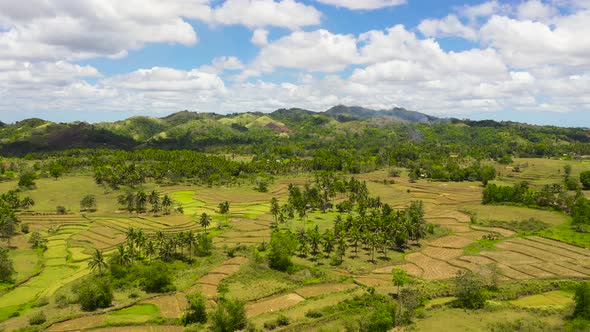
(165, 246)
(138, 202)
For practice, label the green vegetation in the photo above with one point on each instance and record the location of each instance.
(260, 226)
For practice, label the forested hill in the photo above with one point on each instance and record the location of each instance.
(298, 132)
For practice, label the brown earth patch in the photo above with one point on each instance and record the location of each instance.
(533, 271)
(171, 306)
(433, 268)
(451, 241)
(142, 328)
(273, 304)
(78, 324)
(530, 251)
(499, 230)
(318, 290)
(444, 254)
(510, 257)
(212, 279)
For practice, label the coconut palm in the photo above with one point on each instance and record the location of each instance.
(97, 261)
(205, 221)
(166, 204)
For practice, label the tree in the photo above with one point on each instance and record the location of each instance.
(27, 203)
(400, 278)
(469, 290)
(97, 262)
(6, 267)
(585, 179)
(56, 170)
(275, 208)
(229, 316)
(196, 311)
(205, 221)
(94, 293)
(166, 204)
(154, 200)
(88, 203)
(37, 240)
(282, 246)
(223, 207)
(582, 300)
(156, 278)
(140, 201)
(27, 180)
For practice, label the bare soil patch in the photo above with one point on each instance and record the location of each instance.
(444, 254)
(273, 304)
(318, 290)
(451, 241)
(171, 306)
(78, 324)
(510, 257)
(433, 268)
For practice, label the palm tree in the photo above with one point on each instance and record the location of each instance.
(205, 221)
(140, 200)
(154, 200)
(275, 208)
(97, 261)
(122, 256)
(161, 238)
(191, 241)
(150, 249)
(166, 204)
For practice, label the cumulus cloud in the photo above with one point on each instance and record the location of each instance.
(261, 13)
(66, 30)
(318, 50)
(364, 4)
(446, 27)
(259, 37)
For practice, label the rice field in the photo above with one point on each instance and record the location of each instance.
(73, 237)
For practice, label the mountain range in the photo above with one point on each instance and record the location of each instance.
(191, 130)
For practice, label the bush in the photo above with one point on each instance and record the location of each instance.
(155, 278)
(469, 290)
(196, 312)
(24, 228)
(585, 179)
(6, 266)
(94, 293)
(282, 320)
(282, 245)
(582, 299)
(60, 209)
(313, 313)
(38, 318)
(62, 301)
(230, 315)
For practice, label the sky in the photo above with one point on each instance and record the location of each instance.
(104, 60)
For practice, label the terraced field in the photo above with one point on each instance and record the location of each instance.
(73, 237)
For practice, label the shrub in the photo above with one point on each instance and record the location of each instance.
(62, 301)
(469, 290)
(155, 278)
(94, 293)
(24, 228)
(37, 318)
(230, 315)
(282, 320)
(585, 179)
(60, 209)
(196, 312)
(6, 266)
(313, 313)
(582, 299)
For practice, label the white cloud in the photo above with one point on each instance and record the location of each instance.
(363, 4)
(318, 50)
(449, 26)
(259, 37)
(484, 9)
(527, 44)
(227, 63)
(261, 13)
(535, 10)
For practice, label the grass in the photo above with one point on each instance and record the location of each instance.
(139, 309)
(567, 234)
(555, 299)
(478, 246)
(459, 320)
(512, 213)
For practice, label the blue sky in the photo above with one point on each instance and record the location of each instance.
(103, 60)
